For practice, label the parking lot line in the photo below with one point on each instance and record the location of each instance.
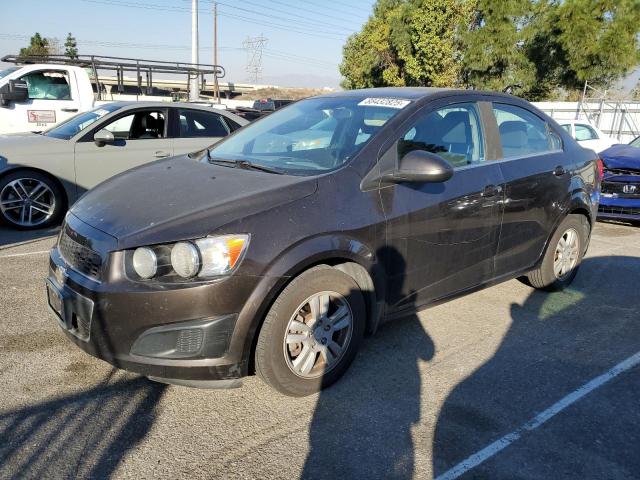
(39, 252)
(502, 443)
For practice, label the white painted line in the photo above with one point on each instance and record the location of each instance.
(502, 443)
(39, 252)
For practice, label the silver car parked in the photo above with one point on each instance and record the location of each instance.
(42, 174)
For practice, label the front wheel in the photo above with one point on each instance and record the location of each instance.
(30, 200)
(311, 333)
(563, 255)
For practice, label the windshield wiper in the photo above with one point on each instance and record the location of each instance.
(244, 164)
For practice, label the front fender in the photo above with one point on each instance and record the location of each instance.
(298, 258)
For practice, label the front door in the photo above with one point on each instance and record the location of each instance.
(442, 237)
(140, 137)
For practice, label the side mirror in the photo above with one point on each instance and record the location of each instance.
(13, 91)
(102, 137)
(419, 166)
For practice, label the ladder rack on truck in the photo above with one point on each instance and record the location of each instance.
(121, 65)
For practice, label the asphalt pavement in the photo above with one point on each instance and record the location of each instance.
(501, 384)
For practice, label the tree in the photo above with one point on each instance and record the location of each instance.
(407, 43)
(71, 46)
(37, 46)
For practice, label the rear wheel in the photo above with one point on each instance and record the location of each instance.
(311, 333)
(30, 200)
(563, 256)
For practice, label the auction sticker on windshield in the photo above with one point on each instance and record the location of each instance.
(384, 102)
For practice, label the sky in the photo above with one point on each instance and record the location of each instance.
(304, 37)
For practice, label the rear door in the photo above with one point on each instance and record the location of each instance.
(197, 129)
(140, 137)
(537, 185)
(447, 232)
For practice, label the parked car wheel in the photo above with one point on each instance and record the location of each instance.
(563, 256)
(30, 200)
(311, 333)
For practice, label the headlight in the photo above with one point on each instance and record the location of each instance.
(201, 258)
(145, 262)
(185, 259)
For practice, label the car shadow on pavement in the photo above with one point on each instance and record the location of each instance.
(556, 343)
(361, 426)
(11, 238)
(83, 435)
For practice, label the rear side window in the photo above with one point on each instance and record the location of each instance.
(453, 132)
(522, 133)
(585, 132)
(198, 123)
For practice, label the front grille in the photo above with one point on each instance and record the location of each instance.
(79, 257)
(617, 188)
(619, 210)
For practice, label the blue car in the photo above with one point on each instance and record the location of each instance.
(620, 197)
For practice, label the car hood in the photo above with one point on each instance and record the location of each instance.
(180, 198)
(18, 145)
(621, 156)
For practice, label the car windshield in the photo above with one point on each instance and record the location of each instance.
(8, 71)
(74, 125)
(310, 136)
(636, 143)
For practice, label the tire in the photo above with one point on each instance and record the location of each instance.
(30, 200)
(545, 276)
(285, 366)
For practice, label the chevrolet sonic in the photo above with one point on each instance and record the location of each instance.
(276, 250)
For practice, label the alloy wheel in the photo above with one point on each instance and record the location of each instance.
(27, 202)
(566, 254)
(318, 334)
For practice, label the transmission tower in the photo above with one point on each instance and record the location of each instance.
(254, 47)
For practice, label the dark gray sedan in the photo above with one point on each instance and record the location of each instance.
(41, 174)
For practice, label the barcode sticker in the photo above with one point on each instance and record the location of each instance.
(384, 102)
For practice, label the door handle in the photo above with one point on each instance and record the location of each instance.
(491, 191)
(70, 110)
(559, 171)
(161, 154)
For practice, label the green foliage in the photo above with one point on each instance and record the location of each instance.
(407, 43)
(539, 47)
(71, 46)
(37, 46)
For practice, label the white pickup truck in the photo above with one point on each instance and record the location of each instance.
(36, 97)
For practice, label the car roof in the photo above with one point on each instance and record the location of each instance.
(410, 93)
(159, 104)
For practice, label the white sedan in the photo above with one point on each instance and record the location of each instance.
(588, 135)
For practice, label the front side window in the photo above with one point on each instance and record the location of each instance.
(453, 132)
(141, 125)
(77, 123)
(48, 85)
(197, 123)
(585, 132)
(522, 133)
(310, 136)
(567, 128)
(635, 143)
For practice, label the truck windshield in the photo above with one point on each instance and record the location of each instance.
(74, 125)
(8, 71)
(310, 136)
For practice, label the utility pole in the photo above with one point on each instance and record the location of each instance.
(254, 47)
(194, 87)
(216, 93)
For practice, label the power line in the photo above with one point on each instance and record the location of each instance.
(346, 5)
(322, 24)
(315, 12)
(156, 7)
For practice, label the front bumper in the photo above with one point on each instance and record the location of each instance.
(182, 334)
(619, 208)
